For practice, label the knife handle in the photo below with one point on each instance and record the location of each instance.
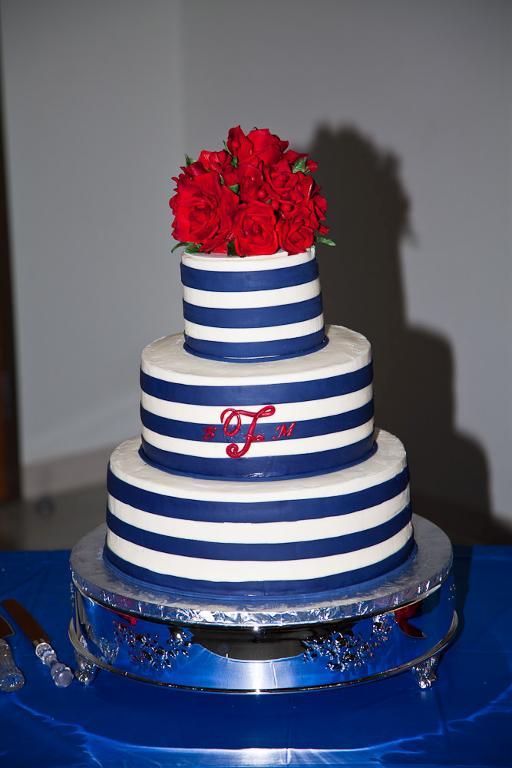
(61, 675)
(11, 678)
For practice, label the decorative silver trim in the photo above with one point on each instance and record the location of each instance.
(423, 668)
(424, 572)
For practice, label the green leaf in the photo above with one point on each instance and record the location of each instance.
(234, 162)
(226, 147)
(234, 188)
(188, 160)
(231, 248)
(324, 240)
(189, 247)
(299, 165)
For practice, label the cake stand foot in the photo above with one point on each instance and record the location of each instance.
(86, 671)
(425, 673)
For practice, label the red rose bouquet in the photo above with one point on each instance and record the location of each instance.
(251, 198)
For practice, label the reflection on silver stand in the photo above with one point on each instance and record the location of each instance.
(401, 621)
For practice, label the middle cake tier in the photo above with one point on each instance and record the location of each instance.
(302, 416)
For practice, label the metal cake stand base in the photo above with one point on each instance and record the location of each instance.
(402, 621)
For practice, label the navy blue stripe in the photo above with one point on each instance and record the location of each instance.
(227, 396)
(260, 358)
(227, 350)
(260, 317)
(258, 468)
(231, 511)
(268, 430)
(296, 550)
(261, 280)
(267, 588)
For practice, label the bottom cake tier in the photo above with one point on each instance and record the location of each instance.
(274, 538)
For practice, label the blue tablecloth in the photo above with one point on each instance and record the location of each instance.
(464, 720)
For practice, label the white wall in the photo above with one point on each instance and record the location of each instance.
(94, 133)
(102, 99)
(431, 83)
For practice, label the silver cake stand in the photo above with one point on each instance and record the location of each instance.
(400, 622)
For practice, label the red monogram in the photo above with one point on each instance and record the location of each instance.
(231, 418)
(283, 431)
(209, 432)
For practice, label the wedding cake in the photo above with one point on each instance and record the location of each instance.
(259, 471)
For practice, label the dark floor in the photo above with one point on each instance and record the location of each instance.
(59, 521)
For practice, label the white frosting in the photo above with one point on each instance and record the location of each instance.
(346, 351)
(240, 571)
(248, 335)
(252, 299)
(219, 262)
(387, 462)
(213, 450)
(261, 533)
(285, 412)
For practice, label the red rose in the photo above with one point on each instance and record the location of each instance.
(189, 172)
(194, 169)
(299, 196)
(297, 233)
(231, 176)
(251, 197)
(319, 204)
(239, 145)
(281, 181)
(267, 147)
(203, 212)
(252, 183)
(290, 191)
(258, 145)
(215, 161)
(255, 229)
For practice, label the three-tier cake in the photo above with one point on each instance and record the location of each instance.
(259, 533)
(259, 471)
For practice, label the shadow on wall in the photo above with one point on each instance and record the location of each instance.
(369, 216)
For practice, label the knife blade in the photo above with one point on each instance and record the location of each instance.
(11, 678)
(61, 674)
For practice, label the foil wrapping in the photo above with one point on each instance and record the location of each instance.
(424, 572)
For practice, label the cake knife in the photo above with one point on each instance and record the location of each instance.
(61, 675)
(11, 678)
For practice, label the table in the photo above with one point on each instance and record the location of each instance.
(465, 719)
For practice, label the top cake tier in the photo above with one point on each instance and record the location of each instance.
(251, 309)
